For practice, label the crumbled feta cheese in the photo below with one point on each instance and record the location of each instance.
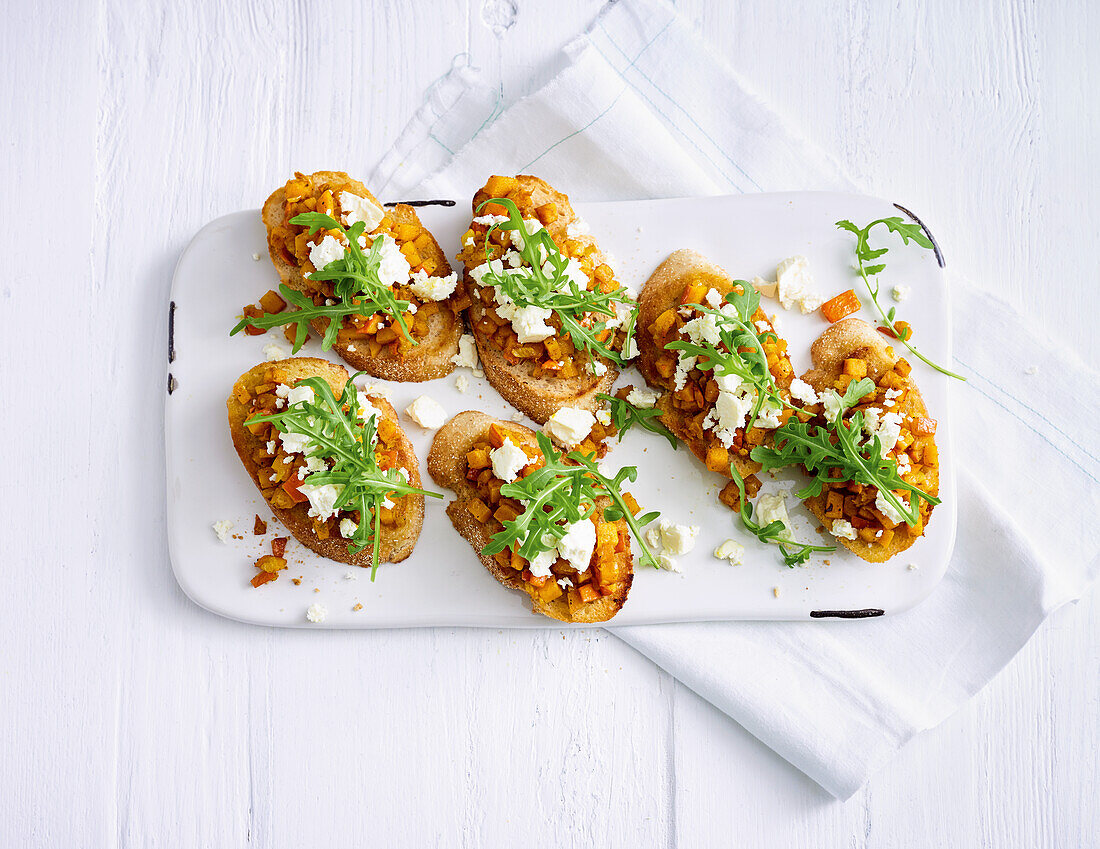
(832, 404)
(674, 539)
(322, 498)
(326, 251)
(762, 326)
(794, 283)
(529, 323)
(348, 528)
(643, 397)
(732, 551)
(296, 394)
(803, 392)
(508, 460)
(349, 576)
(222, 529)
(433, 288)
(317, 612)
(270, 446)
(595, 367)
(886, 426)
(901, 293)
(356, 209)
(578, 543)
(702, 329)
(295, 443)
(514, 259)
(603, 416)
(842, 529)
(490, 220)
(255, 257)
(540, 564)
(772, 507)
(764, 287)
(393, 270)
(577, 227)
(569, 425)
(888, 510)
(315, 464)
(426, 412)
(275, 351)
(530, 225)
(630, 349)
(462, 383)
(683, 366)
(1031, 370)
(565, 583)
(912, 567)
(467, 352)
(904, 466)
(713, 298)
(731, 408)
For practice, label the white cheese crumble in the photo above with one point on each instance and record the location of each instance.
(393, 270)
(795, 283)
(326, 251)
(732, 551)
(901, 293)
(317, 612)
(713, 298)
(529, 323)
(348, 529)
(274, 351)
(270, 447)
(643, 397)
(832, 404)
(578, 543)
(569, 426)
(322, 498)
(255, 257)
(462, 383)
(802, 391)
(683, 366)
(426, 412)
(603, 416)
(843, 529)
(674, 539)
(772, 507)
(356, 209)
(595, 367)
(508, 460)
(577, 227)
(888, 510)
(433, 288)
(1031, 370)
(467, 352)
(222, 529)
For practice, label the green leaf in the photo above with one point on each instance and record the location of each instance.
(625, 416)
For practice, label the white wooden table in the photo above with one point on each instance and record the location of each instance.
(129, 717)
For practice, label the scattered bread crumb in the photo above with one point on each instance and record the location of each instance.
(358, 607)
(296, 581)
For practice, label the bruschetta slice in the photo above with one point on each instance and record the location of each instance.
(414, 331)
(585, 578)
(290, 468)
(706, 412)
(858, 516)
(549, 318)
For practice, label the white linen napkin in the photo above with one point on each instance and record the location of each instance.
(629, 118)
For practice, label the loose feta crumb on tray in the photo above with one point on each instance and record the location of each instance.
(317, 612)
(426, 412)
(222, 529)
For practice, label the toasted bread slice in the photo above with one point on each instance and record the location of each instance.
(447, 467)
(663, 292)
(855, 338)
(397, 541)
(538, 397)
(431, 358)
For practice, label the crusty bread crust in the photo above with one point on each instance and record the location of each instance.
(398, 542)
(539, 398)
(447, 467)
(661, 292)
(854, 337)
(426, 361)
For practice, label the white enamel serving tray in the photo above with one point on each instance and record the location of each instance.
(443, 583)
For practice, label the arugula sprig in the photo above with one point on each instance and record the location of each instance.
(564, 491)
(357, 287)
(555, 289)
(840, 446)
(338, 435)
(626, 415)
(865, 254)
(740, 350)
(794, 553)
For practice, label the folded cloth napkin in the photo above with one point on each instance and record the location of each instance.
(629, 118)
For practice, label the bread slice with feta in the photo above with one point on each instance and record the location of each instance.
(537, 396)
(397, 541)
(429, 359)
(856, 340)
(447, 465)
(661, 293)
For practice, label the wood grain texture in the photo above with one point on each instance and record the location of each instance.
(132, 718)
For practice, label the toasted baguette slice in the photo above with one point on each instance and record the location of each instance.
(447, 467)
(398, 541)
(662, 292)
(536, 397)
(855, 338)
(431, 358)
